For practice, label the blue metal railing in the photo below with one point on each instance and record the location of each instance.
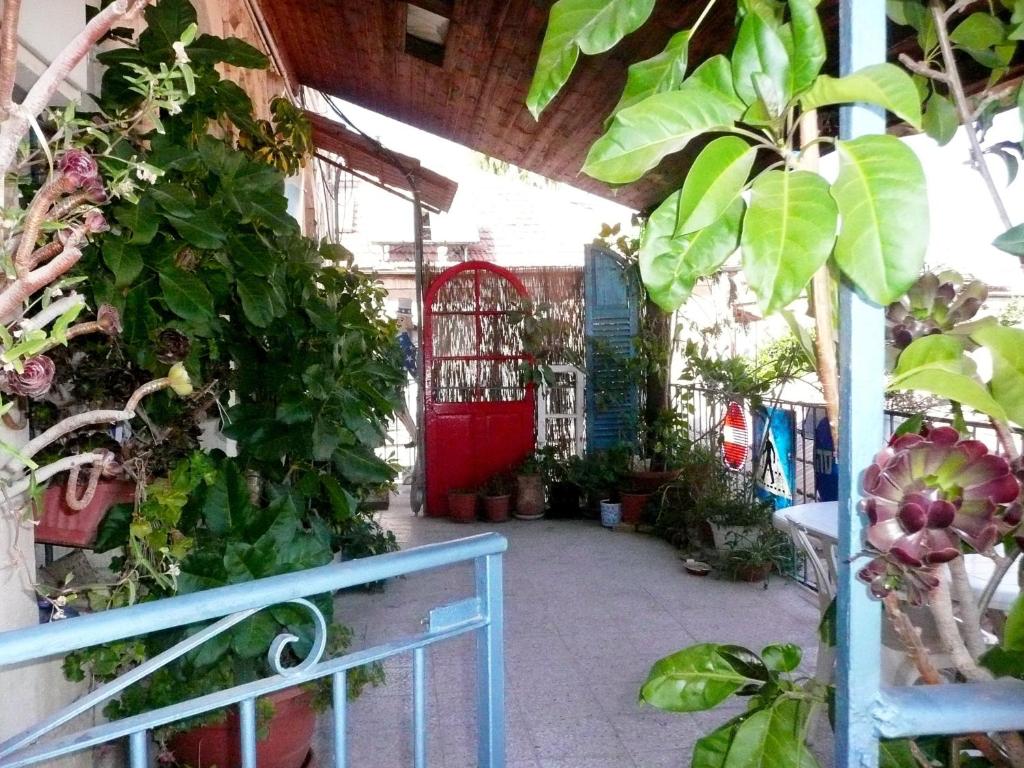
(481, 614)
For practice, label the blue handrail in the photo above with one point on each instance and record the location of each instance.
(481, 614)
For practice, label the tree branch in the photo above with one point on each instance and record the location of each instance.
(34, 219)
(920, 68)
(941, 605)
(46, 316)
(910, 636)
(970, 618)
(956, 90)
(13, 129)
(15, 293)
(43, 474)
(8, 54)
(1003, 564)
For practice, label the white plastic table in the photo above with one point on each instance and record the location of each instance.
(820, 520)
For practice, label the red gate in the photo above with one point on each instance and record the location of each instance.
(479, 412)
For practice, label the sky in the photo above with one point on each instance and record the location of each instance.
(963, 218)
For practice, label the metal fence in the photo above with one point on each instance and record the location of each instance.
(706, 413)
(229, 606)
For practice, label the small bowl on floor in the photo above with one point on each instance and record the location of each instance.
(696, 567)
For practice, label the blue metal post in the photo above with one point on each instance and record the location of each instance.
(339, 696)
(247, 721)
(862, 370)
(138, 749)
(419, 707)
(490, 665)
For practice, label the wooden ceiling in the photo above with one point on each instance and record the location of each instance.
(355, 50)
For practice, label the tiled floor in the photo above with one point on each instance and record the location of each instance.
(587, 612)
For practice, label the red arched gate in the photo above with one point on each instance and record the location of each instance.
(479, 413)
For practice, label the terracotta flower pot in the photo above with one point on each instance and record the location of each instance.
(289, 735)
(496, 508)
(648, 481)
(633, 506)
(66, 527)
(462, 507)
(529, 497)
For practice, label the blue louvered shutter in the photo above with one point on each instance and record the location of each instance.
(612, 322)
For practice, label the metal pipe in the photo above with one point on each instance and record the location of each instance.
(56, 638)
(924, 710)
(862, 32)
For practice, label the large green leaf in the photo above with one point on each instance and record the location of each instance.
(713, 183)
(886, 85)
(139, 218)
(1007, 384)
(361, 466)
(670, 264)
(773, 738)
(940, 119)
(712, 750)
(590, 26)
(884, 208)
(937, 364)
(166, 21)
(174, 199)
(641, 135)
(692, 680)
(664, 72)
(782, 657)
(257, 301)
(759, 49)
(123, 259)
(230, 50)
(809, 49)
(203, 230)
(788, 232)
(1012, 240)
(186, 295)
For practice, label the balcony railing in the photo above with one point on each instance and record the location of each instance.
(227, 606)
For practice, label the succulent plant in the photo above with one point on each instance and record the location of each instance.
(934, 304)
(926, 496)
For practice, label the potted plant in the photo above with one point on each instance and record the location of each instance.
(234, 541)
(735, 515)
(497, 496)
(530, 489)
(633, 498)
(753, 557)
(462, 503)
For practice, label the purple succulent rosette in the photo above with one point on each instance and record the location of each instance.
(934, 304)
(34, 381)
(926, 496)
(79, 167)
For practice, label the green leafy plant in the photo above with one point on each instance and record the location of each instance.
(235, 541)
(780, 703)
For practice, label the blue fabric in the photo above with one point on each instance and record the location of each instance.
(408, 352)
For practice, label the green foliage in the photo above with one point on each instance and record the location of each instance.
(590, 26)
(773, 729)
(211, 252)
(872, 223)
(235, 541)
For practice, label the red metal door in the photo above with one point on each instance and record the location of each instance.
(479, 412)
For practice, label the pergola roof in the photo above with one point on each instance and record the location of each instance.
(357, 50)
(391, 170)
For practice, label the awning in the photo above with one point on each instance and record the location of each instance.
(364, 158)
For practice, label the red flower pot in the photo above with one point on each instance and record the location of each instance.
(633, 506)
(496, 508)
(289, 735)
(66, 527)
(462, 507)
(648, 481)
